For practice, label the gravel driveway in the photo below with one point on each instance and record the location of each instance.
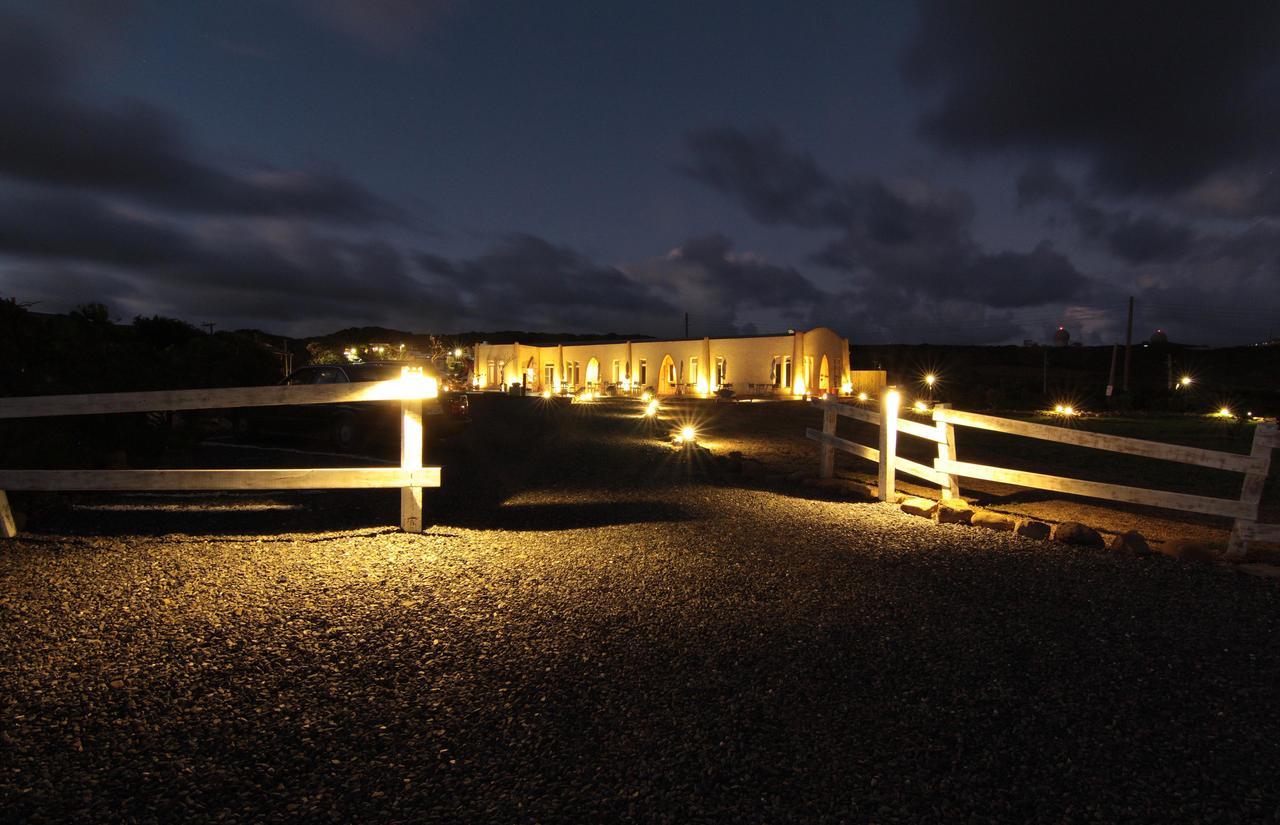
(599, 628)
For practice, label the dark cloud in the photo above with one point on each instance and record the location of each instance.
(909, 237)
(1139, 239)
(1158, 97)
(273, 271)
(531, 283)
(387, 26)
(50, 136)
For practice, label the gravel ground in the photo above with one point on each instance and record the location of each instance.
(599, 629)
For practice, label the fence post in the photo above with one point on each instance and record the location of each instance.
(888, 442)
(8, 527)
(826, 452)
(411, 459)
(1264, 441)
(947, 446)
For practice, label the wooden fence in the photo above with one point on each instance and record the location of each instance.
(946, 471)
(411, 477)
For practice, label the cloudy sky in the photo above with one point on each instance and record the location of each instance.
(943, 172)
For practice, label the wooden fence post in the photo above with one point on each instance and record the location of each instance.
(1264, 441)
(888, 442)
(827, 452)
(8, 527)
(947, 448)
(411, 441)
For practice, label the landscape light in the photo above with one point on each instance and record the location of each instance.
(457, 353)
(1184, 381)
(1225, 412)
(1068, 410)
(920, 407)
(651, 409)
(645, 396)
(930, 379)
(862, 396)
(688, 434)
(846, 388)
(546, 393)
(1058, 408)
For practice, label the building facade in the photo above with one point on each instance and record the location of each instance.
(794, 363)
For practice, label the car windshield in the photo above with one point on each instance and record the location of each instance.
(377, 372)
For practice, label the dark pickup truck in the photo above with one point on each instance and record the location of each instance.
(348, 426)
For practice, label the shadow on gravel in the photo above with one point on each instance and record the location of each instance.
(567, 515)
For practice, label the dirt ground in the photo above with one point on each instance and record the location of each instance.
(599, 626)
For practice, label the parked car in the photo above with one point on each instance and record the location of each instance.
(351, 425)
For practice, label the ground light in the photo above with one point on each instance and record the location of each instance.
(688, 435)
(920, 407)
(1184, 381)
(1224, 412)
(862, 396)
(546, 393)
(651, 409)
(645, 396)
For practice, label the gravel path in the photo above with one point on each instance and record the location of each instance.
(609, 631)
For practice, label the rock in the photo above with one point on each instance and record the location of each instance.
(861, 492)
(1190, 550)
(953, 511)
(993, 521)
(922, 507)
(1032, 529)
(1078, 535)
(1130, 543)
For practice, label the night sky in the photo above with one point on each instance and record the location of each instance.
(945, 172)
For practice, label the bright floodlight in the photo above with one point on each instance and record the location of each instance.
(1185, 381)
(1225, 412)
(457, 353)
(930, 379)
(688, 434)
(422, 386)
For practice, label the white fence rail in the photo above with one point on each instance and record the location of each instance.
(411, 476)
(947, 471)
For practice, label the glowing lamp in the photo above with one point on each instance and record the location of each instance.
(920, 407)
(1058, 408)
(862, 396)
(846, 388)
(651, 409)
(1184, 381)
(414, 381)
(645, 396)
(457, 353)
(1225, 412)
(688, 434)
(930, 379)
(546, 393)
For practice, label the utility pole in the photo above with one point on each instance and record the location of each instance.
(1045, 373)
(1111, 378)
(209, 326)
(1168, 368)
(686, 325)
(1128, 345)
